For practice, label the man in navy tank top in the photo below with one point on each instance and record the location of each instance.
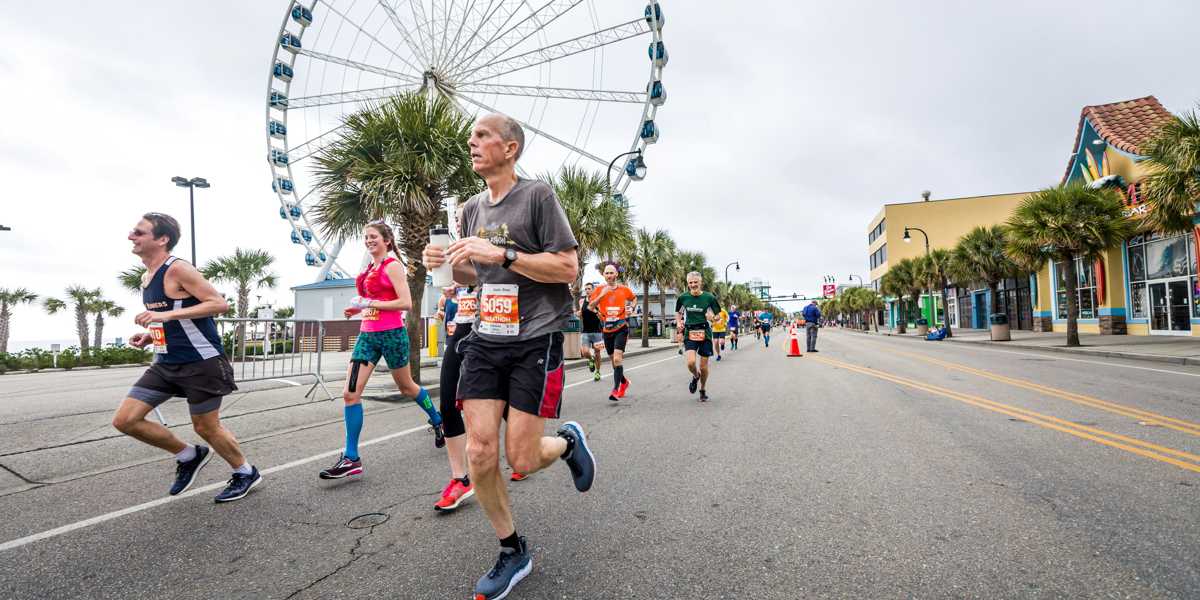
(189, 361)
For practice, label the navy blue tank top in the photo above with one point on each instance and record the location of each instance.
(188, 340)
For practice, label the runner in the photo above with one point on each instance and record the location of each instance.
(757, 326)
(383, 298)
(694, 312)
(592, 340)
(611, 301)
(522, 256)
(458, 327)
(734, 317)
(189, 361)
(720, 326)
(764, 323)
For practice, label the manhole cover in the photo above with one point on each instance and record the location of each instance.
(367, 521)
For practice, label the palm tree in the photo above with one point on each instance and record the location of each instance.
(686, 262)
(1172, 187)
(601, 227)
(666, 278)
(899, 281)
(78, 299)
(249, 270)
(102, 307)
(400, 159)
(1063, 224)
(938, 268)
(8, 299)
(131, 278)
(645, 263)
(981, 256)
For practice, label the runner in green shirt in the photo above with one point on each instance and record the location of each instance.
(694, 312)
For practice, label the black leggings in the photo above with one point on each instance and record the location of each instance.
(452, 421)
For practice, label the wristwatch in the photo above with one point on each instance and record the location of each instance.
(510, 255)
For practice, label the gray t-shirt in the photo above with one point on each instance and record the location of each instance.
(530, 220)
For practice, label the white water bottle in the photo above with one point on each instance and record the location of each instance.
(443, 275)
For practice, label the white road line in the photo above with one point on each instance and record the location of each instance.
(286, 381)
(51, 533)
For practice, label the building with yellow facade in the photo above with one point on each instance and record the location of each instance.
(1148, 286)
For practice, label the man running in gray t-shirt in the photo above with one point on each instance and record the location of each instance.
(518, 249)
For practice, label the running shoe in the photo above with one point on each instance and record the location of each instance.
(718, 358)
(185, 472)
(581, 460)
(454, 495)
(613, 396)
(623, 388)
(591, 364)
(518, 476)
(703, 396)
(511, 567)
(239, 486)
(692, 386)
(596, 375)
(439, 436)
(344, 467)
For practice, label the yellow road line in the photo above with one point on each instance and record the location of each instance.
(1148, 450)
(1113, 407)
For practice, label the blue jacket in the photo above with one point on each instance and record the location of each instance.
(812, 314)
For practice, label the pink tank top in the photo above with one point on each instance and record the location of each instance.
(375, 285)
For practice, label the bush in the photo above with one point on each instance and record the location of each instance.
(68, 359)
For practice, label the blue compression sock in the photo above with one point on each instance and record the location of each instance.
(354, 423)
(426, 405)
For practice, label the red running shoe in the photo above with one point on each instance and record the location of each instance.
(518, 476)
(454, 495)
(621, 390)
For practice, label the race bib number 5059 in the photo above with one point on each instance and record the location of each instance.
(498, 310)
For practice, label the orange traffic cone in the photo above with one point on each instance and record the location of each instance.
(794, 343)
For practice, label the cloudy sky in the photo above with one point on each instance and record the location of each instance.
(788, 124)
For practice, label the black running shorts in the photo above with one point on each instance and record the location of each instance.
(527, 374)
(616, 340)
(203, 383)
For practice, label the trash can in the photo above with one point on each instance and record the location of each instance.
(572, 338)
(1000, 328)
(922, 327)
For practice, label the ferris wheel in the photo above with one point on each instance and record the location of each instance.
(583, 78)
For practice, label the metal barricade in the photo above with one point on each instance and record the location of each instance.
(268, 349)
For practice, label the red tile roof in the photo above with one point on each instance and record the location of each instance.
(1125, 125)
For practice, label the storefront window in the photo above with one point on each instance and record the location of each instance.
(1137, 296)
(1153, 257)
(1086, 289)
(1167, 258)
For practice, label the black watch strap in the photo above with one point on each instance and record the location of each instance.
(510, 255)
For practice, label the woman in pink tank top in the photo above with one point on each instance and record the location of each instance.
(383, 298)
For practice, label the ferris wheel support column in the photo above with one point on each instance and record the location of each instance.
(324, 272)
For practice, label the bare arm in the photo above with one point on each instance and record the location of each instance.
(212, 303)
(543, 267)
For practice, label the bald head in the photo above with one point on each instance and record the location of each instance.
(496, 143)
(508, 129)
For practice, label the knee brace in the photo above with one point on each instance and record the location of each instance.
(354, 365)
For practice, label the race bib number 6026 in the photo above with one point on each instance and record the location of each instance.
(499, 313)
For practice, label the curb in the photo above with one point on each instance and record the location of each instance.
(1157, 358)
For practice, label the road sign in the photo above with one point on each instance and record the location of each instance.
(829, 290)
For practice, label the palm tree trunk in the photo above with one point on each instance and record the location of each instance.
(662, 307)
(901, 316)
(416, 289)
(946, 307)
(99, 336)
(994, 294)
(243, 310)
(5, 315)
(645, 314)
(1072, 302)
(81, 328)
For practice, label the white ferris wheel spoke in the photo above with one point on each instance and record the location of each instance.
(494, 25)
(462, 21)
(399, 25)
(345, 62)
(302, 150)
(557, 51)
(421, 22)
(534, 91)
(502, 43)
(567, 145)
(485, 15)
(363, 31)
(378, 93)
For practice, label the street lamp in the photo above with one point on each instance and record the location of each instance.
(191, 185)
(860, 279)
(732, 264)
(908, 240)
(638, 172)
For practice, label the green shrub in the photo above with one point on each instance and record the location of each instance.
(68, 359)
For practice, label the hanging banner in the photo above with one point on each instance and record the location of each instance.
(1100, 295)
(829, 290)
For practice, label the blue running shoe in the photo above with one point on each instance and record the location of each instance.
(511, 567)
(581, 460)
(185, 472)
(239, 486)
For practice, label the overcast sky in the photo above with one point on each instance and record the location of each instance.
(788, 124)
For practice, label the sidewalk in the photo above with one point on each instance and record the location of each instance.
(1164, 349)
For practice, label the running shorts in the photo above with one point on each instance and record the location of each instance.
(616, 340)
(391, 344)
(702, 347)
(718, 334)
(592, 339)
(203, 383)
(526, 374)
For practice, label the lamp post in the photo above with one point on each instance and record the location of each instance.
(639, 168)
(860, 279)
(191, 185)
(732, 264)
(908, 240)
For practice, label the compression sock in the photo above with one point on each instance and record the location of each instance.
(511, 542)
(618, 376)
(354, 423)
(426, 405)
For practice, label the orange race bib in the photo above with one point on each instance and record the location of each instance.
(467, 307)
(697, 335)
(499, 313)
(370, 314)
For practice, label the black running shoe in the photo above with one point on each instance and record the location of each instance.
(344, 467)
(692, 386)
(439, 436)
(185, 472)
(613, 396)
(511, 567)
(580, 460)
(703, 396)
(239, 486)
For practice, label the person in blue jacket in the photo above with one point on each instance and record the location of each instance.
(812, 321)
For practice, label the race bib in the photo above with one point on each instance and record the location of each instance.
(467, 307)
(451, 327)
(696, 335)
(498, 310)
(613, 312)
(370, 314)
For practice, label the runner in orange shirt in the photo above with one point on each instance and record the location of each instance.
(612, 302)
